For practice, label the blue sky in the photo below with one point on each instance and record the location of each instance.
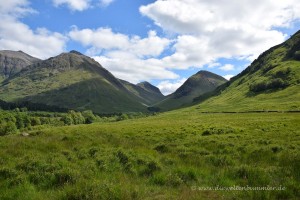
(163, 42)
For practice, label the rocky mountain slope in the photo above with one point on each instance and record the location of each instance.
(11, 62)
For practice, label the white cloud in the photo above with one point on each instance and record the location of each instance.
(105, 3)
(15, 8)
(213, 29)
(168, 87)
(227, 67)
(133, 69)
(228, 77)
(213, 65)
(102, 38)
(76, 5)
(81, 5)
(105, 39)
(128, 57)
(181, 16)
(15, 35)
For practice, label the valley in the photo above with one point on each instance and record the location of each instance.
(71, 130)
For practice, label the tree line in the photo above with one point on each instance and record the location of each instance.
(17, 120)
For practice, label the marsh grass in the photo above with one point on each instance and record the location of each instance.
(159, 157)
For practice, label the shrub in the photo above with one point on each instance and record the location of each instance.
(158, 179)
(67, 119)
(161, 148)
(62, 177)
(35, 121)
(187, 175)
(150, 168)
(258, 87)
(274, 84)
(174, 180)
(123, 158)
(206, 132)
(218, 131)
(297, 55)
(88, 116)
(122, 117)
(8, 128)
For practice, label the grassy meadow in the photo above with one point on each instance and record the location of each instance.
(167, 156)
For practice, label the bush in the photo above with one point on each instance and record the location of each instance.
(258, 87)
(67, 119)
(122, 117)
(150, 168)
(297, 55)
(161, 148)
(274, 84)
(8, 128)
(35, 121)
(88, 116)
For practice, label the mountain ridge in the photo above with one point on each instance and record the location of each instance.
(271, 82)
(70, 80)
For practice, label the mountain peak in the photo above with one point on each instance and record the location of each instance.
(198, 84)
(11, 62)
(76, 52)
(145, 83)
(149, 87)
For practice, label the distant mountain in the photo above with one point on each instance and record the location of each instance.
(198, 84)
(73, 81)
(11, 62)
(145, 92)
(271, 82)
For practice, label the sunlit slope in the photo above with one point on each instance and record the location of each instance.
(271, 82)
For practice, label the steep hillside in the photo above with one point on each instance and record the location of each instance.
(145, 92)
(271, 82)
(196, 85)
(12, 62)
(70, 80)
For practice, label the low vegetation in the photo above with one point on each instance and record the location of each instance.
(22, 120)
(168, 156)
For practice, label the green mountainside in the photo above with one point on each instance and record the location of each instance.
(145, 92)
(271, 82)
(12, 62)
(198, 84)
(70, 80)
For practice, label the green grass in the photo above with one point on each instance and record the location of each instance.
(159, 157)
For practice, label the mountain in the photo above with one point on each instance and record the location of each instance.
(70, 80)
(12, 62)
(145, 92)
(200, 83)
(271, 82)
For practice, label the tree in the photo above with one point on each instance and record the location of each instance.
(67, 119)
(89, 116)
(122, 117)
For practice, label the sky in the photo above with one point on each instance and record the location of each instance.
(163, 42)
